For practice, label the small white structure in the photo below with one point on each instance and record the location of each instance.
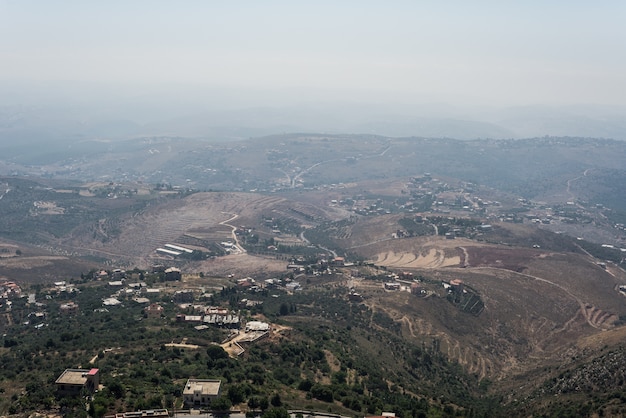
(168, 252)
(111, 302)
(256, 326)
(178, 248)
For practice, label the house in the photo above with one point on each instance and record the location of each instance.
(111, 302)
(355, 297)
(118, 274)
(392, 286)
(188, 318)
(293, 286)
(339, 261)
(74, 381)
(246, 282)
(456, 282)
(158, 268)
(154, 310)
(173, 274)
(68, 308)
(200, 392)
(10, 290)
(137, 285)
(183, 296)
(257, 326)
(417, 289)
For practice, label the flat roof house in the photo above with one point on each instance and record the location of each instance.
(73, 381)
(200, 392)
(69, 308)
(154, 310)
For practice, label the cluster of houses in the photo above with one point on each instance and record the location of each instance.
(8, 290)
(130, 286)
(212, 316)
(286, 284)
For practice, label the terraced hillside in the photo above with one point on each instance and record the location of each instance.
(527, 322)
(210, 217)
(540, 298)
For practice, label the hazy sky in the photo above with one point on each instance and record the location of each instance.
(457, 52)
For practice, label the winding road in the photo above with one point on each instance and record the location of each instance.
(292, 181)
(234, 228)
(570, 195)
(303, 238)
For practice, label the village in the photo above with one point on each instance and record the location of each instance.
(164, 296)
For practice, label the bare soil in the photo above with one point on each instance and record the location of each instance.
(242, 265)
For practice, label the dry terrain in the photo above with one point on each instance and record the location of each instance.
(205, 217)
(241, 265)
(38, 265)
(541, 307)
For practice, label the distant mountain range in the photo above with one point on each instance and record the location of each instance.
(65, 112)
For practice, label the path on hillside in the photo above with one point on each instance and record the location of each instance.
(303, 238)
(590, 318)
(570, 195)
(234, 228)
(292, 180)
(371, 243)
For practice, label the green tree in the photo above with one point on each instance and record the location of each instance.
(253, 402)
(221, 404)
(264, 403)
(276, 401)
(116, 389)
(276, 413)
(236, 394)
(322, 392)
(216, 352)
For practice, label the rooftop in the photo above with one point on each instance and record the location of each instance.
(75, 376)
(202, 387)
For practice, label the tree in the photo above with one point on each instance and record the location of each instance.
(264, 403)
(216, 352)
(253, 402)
(276, 401)
(276, 413)
(322, 392)
(236, 394)
(284, 309)
(116, 389)
(305, 385)
(221, 404)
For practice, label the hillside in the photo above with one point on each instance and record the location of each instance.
(390, 287)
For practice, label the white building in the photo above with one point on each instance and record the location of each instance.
(200, 392)
(254, 326)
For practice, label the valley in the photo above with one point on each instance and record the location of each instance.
(435, 288)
